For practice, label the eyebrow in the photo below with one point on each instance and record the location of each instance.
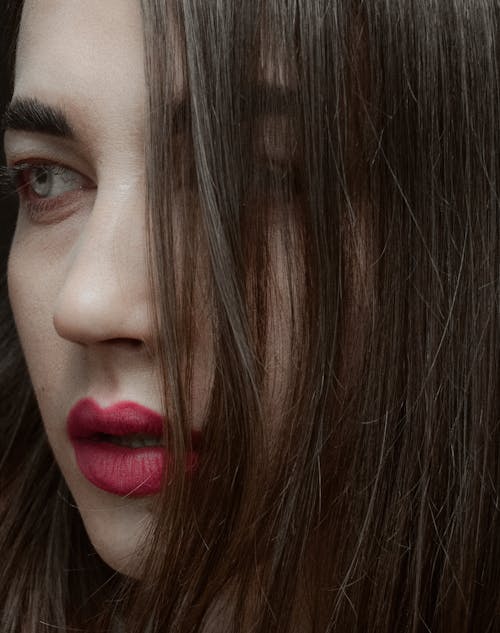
(266, 99)
(28, 114)
(31, 115)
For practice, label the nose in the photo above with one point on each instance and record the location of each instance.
(104, 292)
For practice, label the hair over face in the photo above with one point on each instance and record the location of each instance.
(327, 170)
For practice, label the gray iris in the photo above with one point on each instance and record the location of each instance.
(41, 182)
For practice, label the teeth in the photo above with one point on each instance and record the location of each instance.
(134, 441)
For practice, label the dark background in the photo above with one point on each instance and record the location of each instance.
(8, 205)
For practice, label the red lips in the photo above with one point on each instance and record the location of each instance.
(118, 469)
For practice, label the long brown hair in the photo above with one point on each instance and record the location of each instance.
(369, 502)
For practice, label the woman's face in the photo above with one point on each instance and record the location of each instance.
(77, 268)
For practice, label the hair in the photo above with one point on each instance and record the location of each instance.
(370, 501)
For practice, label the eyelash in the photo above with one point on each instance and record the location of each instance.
(15, 180)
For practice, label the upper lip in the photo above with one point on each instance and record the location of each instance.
(87, 419)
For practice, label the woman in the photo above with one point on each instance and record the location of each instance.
(253, 378)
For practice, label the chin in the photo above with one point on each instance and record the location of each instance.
(118, 532)
(120, 560)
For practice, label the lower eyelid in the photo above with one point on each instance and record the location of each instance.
(53, 210)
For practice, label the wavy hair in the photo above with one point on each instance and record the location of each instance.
(362, 136)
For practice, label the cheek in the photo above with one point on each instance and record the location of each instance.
(30, 298)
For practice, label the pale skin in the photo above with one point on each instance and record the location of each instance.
(77, 284)
(77, 273)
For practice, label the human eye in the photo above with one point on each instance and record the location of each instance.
(279, 170)
(44, 187)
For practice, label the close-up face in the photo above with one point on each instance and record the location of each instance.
(77, 271)
(77, 268)
(77, 278)
(249, 325)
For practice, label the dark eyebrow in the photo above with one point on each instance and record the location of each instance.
(266, 100)
(31, 115)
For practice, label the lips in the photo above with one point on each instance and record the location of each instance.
(104, 440)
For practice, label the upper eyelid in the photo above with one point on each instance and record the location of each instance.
(58, 168)
(27, 147)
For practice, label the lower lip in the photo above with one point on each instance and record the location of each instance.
(132, 472)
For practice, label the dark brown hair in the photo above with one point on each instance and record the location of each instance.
(370, 502)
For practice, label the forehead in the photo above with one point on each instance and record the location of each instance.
(87, 59)
(84, 55)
